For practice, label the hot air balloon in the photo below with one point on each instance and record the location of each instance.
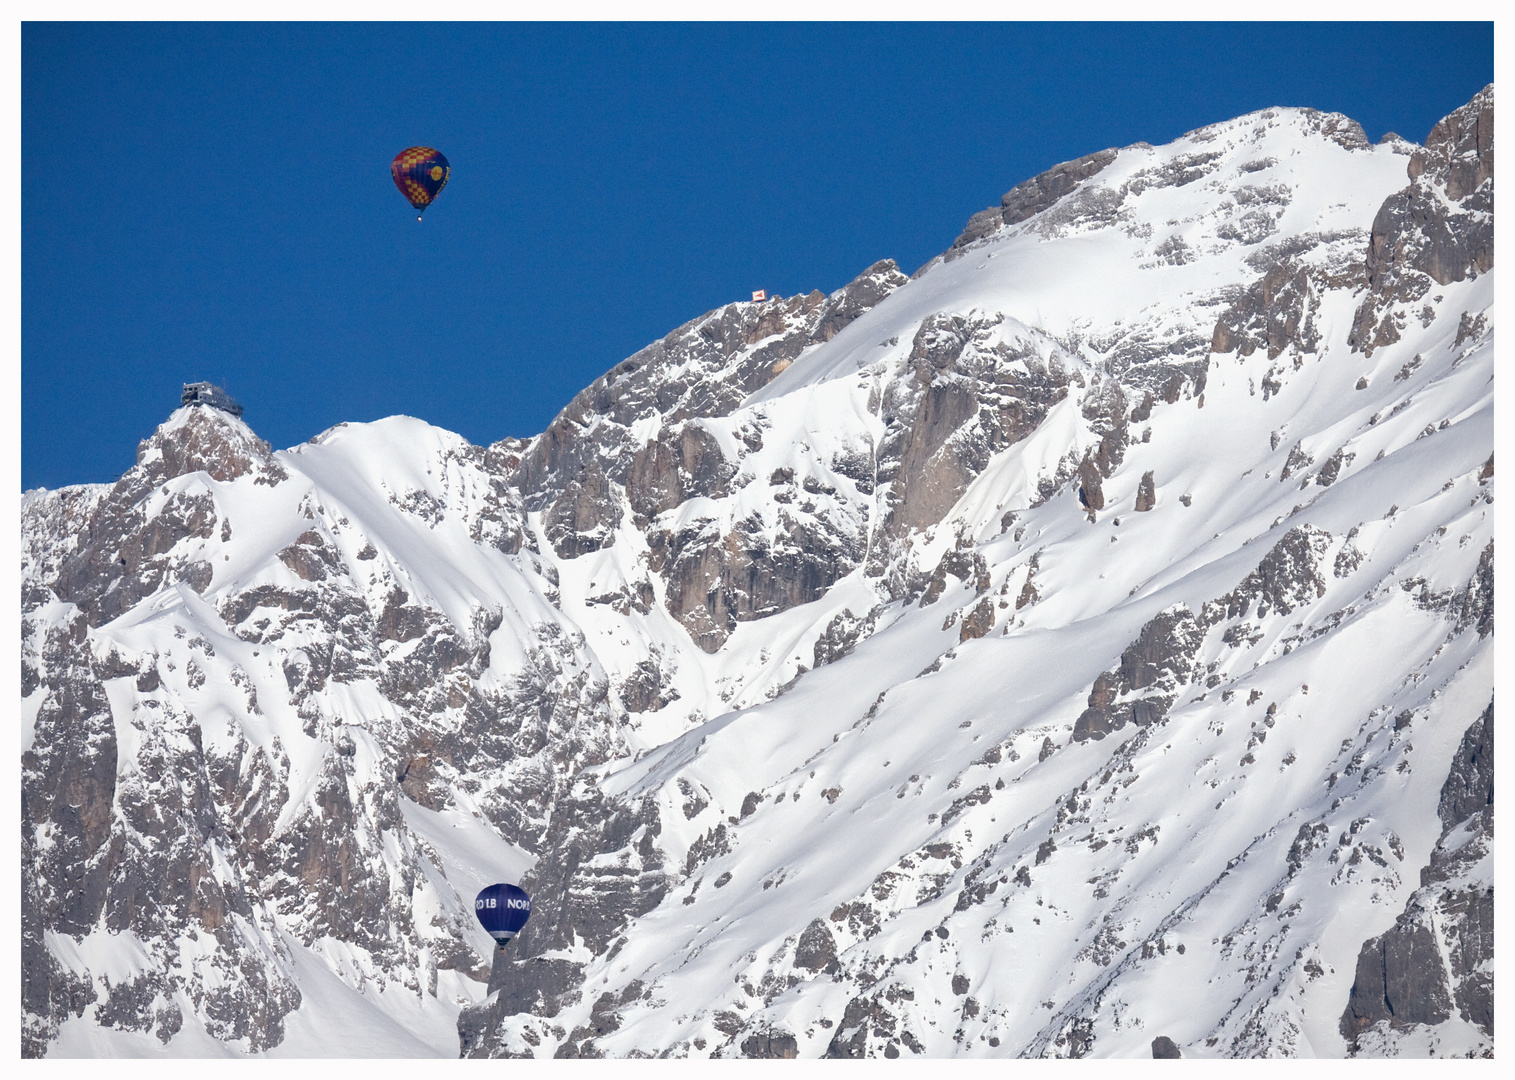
(420, 173)
(503, 910)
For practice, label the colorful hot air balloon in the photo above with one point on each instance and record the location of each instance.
(420, 173)
(503, 910)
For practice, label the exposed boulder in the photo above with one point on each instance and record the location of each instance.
(870, 1027)
(978, 620)
(1399, 978)
(966, 565)
(1152, 670)
(770, 1044)
(648, 687)
(816, 949)
(1091, 491)
(1164, 1047)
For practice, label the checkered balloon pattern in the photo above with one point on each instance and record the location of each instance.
(420, 173)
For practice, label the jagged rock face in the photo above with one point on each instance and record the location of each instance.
(1035, 195)
(1083, 608)
(1159, 661)
(1275, 313)
(842, 635)
(1438, 230)
(1289, 576)
(1460, 149)
(1399, 976)
(227, 772)
(715, 581)
(716, 573)
(135, 526)
(705, 368)
(686, 463)
(1436, 962)
(816, 950)
(975, 386)
(132, 852)
(599, 877)
(1469, 788)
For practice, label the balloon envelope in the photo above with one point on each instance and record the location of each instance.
(503, 910)
(420, 173)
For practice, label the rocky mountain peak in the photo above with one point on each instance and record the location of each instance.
(199, 438)
(1207, 146)
(1438, 230)
(1459, 151)
(140, 529)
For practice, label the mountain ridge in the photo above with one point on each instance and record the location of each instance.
(656, 662)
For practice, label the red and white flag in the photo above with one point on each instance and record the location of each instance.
(761, 294)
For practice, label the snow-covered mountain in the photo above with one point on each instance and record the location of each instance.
(1082, 647)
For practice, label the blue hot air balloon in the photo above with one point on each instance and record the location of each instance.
(503, 910)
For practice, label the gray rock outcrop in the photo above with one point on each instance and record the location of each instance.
(1437, 959)
(1164, 1047)
(1031, 197)
(1438, 230)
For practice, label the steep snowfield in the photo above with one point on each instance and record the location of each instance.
(1135, 725)
(1183, 832)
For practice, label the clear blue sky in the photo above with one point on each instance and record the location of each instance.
(213, 201)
